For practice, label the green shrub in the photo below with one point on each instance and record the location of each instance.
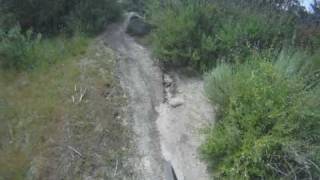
(26, 51)
(269, 123)
(93, 16)
(55, 16)
(198, 33)
(308, 36)
(15, 48)
(183, 35)
(135, 5)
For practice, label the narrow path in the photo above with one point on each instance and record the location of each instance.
(166, 116)
(142, 80)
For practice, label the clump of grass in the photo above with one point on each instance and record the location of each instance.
(269, 120)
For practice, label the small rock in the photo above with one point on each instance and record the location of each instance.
(167, 80)
(176, 102)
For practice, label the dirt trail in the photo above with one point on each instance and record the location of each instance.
(163, 132)
(143, 82)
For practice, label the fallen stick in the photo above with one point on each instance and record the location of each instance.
(115, 171)
(73, 99)
(74, 150)
(82, 95)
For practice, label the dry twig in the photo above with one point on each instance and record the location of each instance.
(115, 171)
(74, 150)
(82, 94)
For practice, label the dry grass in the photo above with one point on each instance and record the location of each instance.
(63, 121)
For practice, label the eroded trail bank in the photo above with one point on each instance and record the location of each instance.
(165, 116)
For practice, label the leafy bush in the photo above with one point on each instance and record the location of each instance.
(308, 30)
(308, 36)
(184, 35)
(15, 48)
(93, 15)
(135, 5)
(198, 33)
(20, 50)
(269, 123)
(55, 16)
